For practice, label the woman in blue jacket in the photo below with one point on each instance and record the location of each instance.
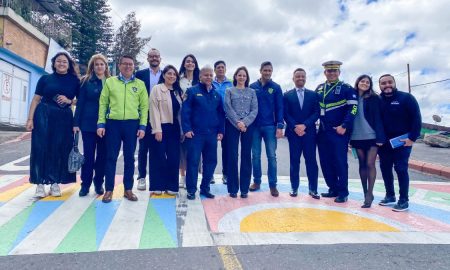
(86, 116)
(368, 135)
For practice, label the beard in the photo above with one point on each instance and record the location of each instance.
(391, 91)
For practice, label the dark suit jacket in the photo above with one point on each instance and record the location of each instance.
(144, 75)
(307, 115)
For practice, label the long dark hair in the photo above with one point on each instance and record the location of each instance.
(237, 71)
(73, 67)
(368, 93)
(176, 84)
(196, 75)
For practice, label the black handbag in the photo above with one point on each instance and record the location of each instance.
(76, 159)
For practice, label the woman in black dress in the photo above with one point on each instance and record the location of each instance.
(85, 119)
(51, 120)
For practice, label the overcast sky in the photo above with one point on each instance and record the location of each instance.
(368, 36)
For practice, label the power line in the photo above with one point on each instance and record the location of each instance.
(422, 84)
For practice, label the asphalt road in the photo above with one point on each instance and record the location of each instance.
(338, 256)
(342, 256)
(14, 151)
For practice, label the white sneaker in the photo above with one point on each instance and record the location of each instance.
(182, 183)
(55, 191)
(40, 191)
(141, 184)
(156, 192)
(171, 193)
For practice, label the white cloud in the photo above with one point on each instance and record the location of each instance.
(376, 38)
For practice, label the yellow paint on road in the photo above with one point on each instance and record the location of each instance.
(229, 259)
(66, 193)
(282, 220)
(10, 194)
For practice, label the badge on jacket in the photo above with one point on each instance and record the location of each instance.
(270, 90)
(134, 88)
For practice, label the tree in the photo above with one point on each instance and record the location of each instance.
(126, 40)
(91, 28)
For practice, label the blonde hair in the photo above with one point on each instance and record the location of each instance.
(90, 69)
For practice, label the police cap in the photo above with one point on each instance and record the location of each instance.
(333, 64)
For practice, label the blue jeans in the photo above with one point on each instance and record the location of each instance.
(268, 133)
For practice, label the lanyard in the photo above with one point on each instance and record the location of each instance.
(325, 92)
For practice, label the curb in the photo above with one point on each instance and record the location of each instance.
(430, 168)
(23, 136)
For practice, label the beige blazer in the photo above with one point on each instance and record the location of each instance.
(160, 107)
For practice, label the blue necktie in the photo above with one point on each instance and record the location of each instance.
(300, 97)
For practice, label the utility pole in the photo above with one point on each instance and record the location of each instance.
(409, 79)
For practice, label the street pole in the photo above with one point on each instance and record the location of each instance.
(409, 79)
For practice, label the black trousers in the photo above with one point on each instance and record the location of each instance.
(118, 132)
(165, 159)
(239, 180)
(305, 145)
(397, 158)
(94, 151)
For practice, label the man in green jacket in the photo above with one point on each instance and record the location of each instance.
(122, 117)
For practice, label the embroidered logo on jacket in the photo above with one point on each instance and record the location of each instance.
(134, 88)
(270, 90)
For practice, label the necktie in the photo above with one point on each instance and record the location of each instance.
(300, 97)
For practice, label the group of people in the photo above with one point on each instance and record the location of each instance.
(179, 116)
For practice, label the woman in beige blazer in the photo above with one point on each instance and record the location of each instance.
(165, 107)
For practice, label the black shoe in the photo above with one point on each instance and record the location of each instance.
(244, 195)
(100, 191)
(329, 194)
(207, 194)
(401, 206)
(224, 179)
(191, 196)
(233, 195)
(293, 193)
(366, 205)
(314, 195)
(340, 199)
(83, 191)
(387, 201)
(212, 181)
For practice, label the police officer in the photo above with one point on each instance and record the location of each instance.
(338, 107)
(202, 118)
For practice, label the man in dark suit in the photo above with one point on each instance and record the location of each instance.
(150, 76)
(301, 111)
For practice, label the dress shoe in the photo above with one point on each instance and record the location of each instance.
(99, 191)
(191, 196)
(207, 194)
(293, 193)
(130, 196)
(274, 192)
(366, 205)
(244, 195)
(329, 194)
(233, 195)
(340, 199)
(83, 191)
(107, 197)
(314, 195)
(254, 187)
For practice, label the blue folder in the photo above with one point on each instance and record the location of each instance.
(395, 142)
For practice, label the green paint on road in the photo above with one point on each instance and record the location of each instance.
(10, 230)
(438, 197)
(82, 237)
(154, 233)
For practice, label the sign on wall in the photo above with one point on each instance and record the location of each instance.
(6, 87)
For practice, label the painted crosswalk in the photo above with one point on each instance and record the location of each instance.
(73, 224)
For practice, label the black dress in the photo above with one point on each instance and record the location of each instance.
(52, 135)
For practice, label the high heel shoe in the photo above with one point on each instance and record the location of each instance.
(368, 201)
